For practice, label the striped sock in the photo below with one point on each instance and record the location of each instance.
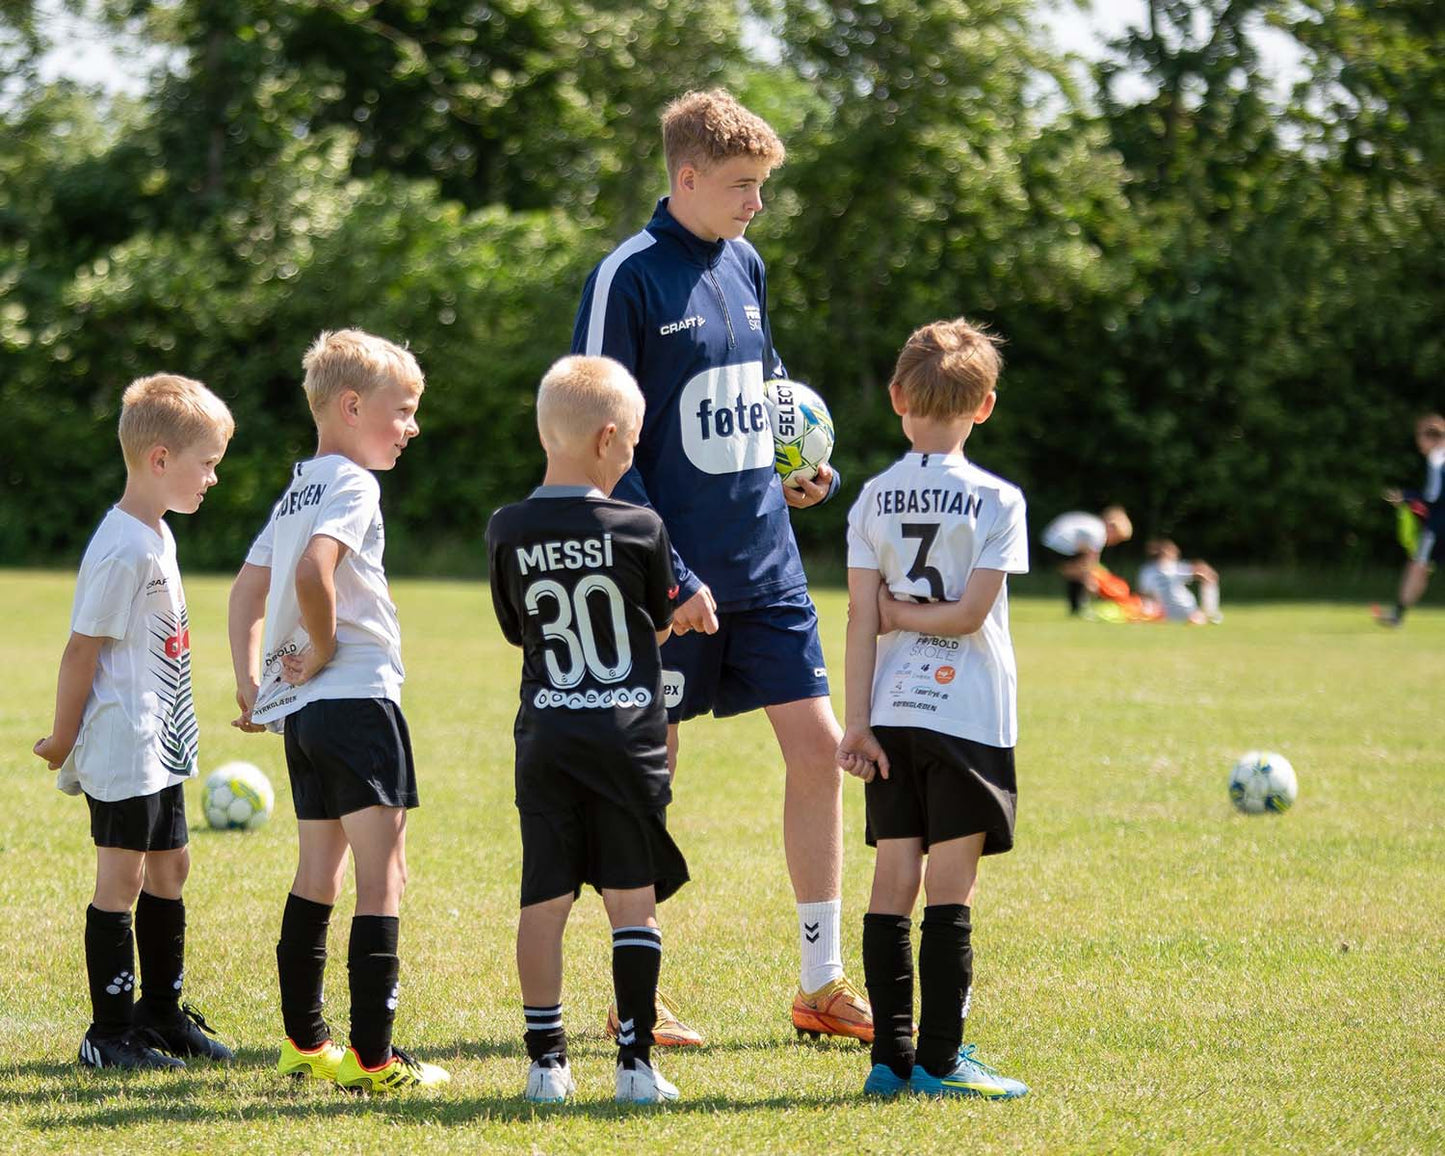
(636, 963)
(544, 1035)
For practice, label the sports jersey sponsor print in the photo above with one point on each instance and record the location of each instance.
(688, 318)
(581, 583)
(179, 736)
(926, 524)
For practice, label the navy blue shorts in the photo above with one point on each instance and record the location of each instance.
(760, 657)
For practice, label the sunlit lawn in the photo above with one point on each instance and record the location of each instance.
(1168, 975)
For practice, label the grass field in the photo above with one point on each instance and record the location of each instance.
(1167, 975)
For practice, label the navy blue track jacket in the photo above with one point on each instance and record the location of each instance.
(688, 318)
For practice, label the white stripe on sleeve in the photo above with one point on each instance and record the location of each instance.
(597, 318)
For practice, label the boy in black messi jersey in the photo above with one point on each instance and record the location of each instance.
(584, 584)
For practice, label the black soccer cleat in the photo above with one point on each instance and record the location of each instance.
(134, 1050)
(182, 1032)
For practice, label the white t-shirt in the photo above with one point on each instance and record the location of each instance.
(329, 495)
(1166, 582)
(138, 734)
(926, 524)
(1071, 534)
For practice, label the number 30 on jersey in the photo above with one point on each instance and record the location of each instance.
(571, 625)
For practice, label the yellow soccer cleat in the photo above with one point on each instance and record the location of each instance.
(319, 1063)
(399, 1074)
(668, 1032)
(835, 1009)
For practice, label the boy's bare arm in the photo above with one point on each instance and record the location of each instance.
(244, 619)
(946, 619)
(858, 752)
(77, 674)
(316, 597)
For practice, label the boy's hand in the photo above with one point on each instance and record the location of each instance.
(698, 613)
(53, 751)
(809, 491)
(886, 623)
(1394, 497)
(860, 754)
(306, 663)
(246, 699)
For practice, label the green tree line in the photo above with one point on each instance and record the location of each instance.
(1222, 303)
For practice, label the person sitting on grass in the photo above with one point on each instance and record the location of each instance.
(1165, 577)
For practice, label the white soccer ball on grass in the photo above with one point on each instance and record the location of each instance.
(237, 797)
(802, 430)
(1263, 781)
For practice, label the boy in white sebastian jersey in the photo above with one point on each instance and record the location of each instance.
(931, 709)
(125, 728)
(329, 678)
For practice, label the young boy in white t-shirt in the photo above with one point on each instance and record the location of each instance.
(329, 678)
(125, 730)
(931, 709)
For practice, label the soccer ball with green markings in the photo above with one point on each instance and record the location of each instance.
(237, 797)
(1262, 781)
(802, 430)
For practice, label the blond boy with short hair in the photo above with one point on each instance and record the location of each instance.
(329, 678)
(584, 584)
(931, 709)
(125, 731)
(683, 306)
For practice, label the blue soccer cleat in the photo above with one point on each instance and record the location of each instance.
(970, 1077)
(884, 1082)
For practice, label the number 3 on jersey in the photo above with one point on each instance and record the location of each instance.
(925, 532)
(572, 627)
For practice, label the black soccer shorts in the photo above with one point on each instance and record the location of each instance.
(941, 787)
(579, 836)
(347, 754)
(155, 822)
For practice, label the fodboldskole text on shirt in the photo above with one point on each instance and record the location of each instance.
(688, 318)
(926, 524)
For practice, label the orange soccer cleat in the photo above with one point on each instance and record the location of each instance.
(835, 1009)
(668, 1032)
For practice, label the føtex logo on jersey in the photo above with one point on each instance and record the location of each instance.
(724, 420)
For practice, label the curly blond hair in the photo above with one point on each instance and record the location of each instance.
(705, 128)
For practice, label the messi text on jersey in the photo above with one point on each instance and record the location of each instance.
(571, 554)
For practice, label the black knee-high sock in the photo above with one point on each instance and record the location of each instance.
(160, 945)
(110, 967)
(301, 965)
(1078, 596)
(888, 975)
(373, 965)
(545, 1035)
(945, 973)
(636, 964)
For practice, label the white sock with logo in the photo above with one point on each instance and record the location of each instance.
(818, 936)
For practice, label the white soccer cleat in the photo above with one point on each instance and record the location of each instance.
(643, 1084)
(549, 1081)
